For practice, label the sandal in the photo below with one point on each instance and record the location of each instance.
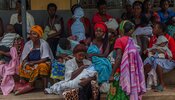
(24, 89)
(158, 88)
(17, 85)
(95, 89)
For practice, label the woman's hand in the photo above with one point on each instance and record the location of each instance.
(84, 66)
(111, 79)
(160, 51)
(84, 81)
(73, 37)
(89, 55)
(153, 51)
(31, 63)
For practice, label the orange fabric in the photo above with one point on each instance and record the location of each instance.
(37, 29)
(31, 73)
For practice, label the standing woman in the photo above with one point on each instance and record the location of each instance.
(35, 61)
(126, 84)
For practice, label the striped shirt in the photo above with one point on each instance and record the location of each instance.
(8, 39)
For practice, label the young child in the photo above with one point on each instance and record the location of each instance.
(64, 53)
(161, 45)
(65, 48)
(76, 70)
(7, 42)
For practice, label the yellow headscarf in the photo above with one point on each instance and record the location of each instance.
(37, 29)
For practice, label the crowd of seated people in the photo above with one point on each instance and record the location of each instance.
(111, 55)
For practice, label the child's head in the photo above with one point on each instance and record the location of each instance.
(60, 59)
(64, 44)
(173, 20)
(164, 4)
(159, 28)
(161, 41)
(126, 28)
(79, 52)
(10, 28)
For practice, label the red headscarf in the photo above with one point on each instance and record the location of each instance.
(101, 25)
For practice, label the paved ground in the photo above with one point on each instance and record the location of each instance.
(168, 94)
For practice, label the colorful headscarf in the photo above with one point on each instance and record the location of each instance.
(101, 25)
(122, 24)
(37, 29)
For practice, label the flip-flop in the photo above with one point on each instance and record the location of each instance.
(158, 88)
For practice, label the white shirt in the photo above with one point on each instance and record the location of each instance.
(71, 66)
(30, 20)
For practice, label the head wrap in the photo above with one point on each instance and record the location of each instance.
(122, 24)
(37, 29)
(101, 25)
(78, 13)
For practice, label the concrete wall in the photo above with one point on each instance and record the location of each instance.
(40, 16)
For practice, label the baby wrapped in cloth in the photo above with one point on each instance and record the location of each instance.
(162, 45)
(61, 86)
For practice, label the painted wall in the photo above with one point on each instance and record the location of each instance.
(61, 4)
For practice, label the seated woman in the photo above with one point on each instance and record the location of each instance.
(78, 74)
(7, 70)
(79, 27)
(35, 61)
(9, 60)
(127, 81)
(101, 15)
(98, 52)
(160, 64)
(148, 12)
(165, 13)
(161, 45)
(171, 28)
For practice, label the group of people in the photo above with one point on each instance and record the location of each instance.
(116, 56)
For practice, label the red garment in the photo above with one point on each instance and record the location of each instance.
(171, 43)
(101, 25)
(84, 20)
(97, 18)
(121, 43)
